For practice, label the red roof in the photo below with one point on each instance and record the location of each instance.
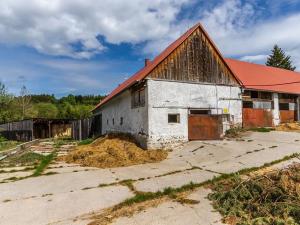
(260, 77)
(140, 75)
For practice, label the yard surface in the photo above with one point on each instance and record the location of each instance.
(71, 194)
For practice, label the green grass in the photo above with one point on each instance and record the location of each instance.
(28, 158)
(86, 141)
(6, 145)
(46, 160)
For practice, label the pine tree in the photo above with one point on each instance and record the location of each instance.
(279, 59)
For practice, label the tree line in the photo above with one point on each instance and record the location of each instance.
(26, 105)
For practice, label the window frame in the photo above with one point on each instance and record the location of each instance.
(176, 121)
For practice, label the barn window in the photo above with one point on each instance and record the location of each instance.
(121, 121)
(199, 111)
(173, 118)
(138, 98)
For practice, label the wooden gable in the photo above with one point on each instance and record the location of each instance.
(195, 60)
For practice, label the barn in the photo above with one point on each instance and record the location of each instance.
(191, 92)
(188, 92)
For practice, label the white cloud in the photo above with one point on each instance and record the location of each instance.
(54, 26)
(239, 32)
(254, 58)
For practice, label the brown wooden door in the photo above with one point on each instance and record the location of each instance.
(257, 118)
(287, 116)
(204, 127)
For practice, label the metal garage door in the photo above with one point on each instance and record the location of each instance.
(257, 118)
(204, 127)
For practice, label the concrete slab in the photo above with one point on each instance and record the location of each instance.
(177, 214)
(5, 176)
(54, 208)
(173, 180)
(55, 184)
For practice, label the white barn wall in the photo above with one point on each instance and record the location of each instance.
(276, 111)
(134, 119)
(178, 97)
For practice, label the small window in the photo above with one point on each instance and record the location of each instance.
(248, 104)
(121, 121)
(173, 118)
(113, 120)
(138, 98)
(284, 106)
(254, 94)
(107, 122)
(199, 112)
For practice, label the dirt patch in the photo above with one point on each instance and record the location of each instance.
(289, 127)
(113, 151)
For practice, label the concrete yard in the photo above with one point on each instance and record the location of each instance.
(73, 192)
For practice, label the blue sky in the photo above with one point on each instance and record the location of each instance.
(66, 47)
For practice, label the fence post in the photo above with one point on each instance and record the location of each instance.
(80, 131)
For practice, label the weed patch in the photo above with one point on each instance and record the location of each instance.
(272, 198)
(43, 164)
(28, 159)
(261, 129)
(86, 141)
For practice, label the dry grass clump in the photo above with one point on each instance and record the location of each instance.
(270, 198)
(113, 151)
(289, 127)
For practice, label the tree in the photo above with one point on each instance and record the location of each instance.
(6, 106)
(279, 59)
(24, 100)
(46, 110)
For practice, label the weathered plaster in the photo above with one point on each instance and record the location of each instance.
(167, 97)
(134, 119)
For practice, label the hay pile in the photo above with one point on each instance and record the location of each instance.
(113, 151)
(271, 198)
(289, 127)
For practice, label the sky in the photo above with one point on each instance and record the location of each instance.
(85, 47)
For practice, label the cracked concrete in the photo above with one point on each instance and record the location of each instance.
(212, 157)
(176, 213)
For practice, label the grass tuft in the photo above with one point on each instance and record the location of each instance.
(43, 164)
(86, 141)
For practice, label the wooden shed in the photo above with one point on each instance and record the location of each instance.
(36, 128)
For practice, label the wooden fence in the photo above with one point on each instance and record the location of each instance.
(87, 128)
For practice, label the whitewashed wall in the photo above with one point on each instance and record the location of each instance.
(134, 119)
(276, 111)
(167, 97)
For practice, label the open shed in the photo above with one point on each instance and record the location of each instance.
(36, 128)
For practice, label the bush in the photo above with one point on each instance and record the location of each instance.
(2, 139)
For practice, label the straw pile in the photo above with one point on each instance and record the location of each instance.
(289, 127)
(113, 151)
